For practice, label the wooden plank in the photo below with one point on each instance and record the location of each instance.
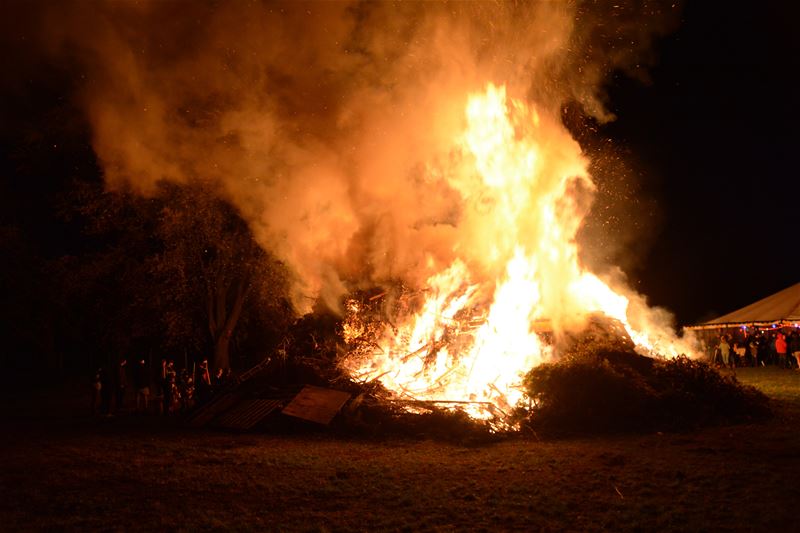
(316, 404)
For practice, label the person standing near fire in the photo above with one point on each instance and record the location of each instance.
(794, 347)
(142, 382)
(203, 383)
(780, 349)
(170, 387)
(97, 386)
(739, 351)
(754, 350)
(724, 350)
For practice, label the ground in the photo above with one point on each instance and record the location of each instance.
(79, 473)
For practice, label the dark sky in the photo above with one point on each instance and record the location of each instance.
(712, 136)
(715, 138)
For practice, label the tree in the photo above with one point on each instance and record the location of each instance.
(105, 289)
(179, 269)
(210, 262)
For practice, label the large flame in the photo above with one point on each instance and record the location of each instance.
(524, 190)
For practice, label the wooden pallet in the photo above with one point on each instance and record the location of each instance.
(247, 413)
(214, 408)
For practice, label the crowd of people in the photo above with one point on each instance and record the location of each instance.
(779, 348)
(168, 391)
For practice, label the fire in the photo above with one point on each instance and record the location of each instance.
(523, 186)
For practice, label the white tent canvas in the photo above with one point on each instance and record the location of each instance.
(781, 308)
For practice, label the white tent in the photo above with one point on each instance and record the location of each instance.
(780, 309)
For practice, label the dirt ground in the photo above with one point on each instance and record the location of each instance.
(73, 472)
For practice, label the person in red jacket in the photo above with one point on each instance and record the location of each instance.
(780, 348)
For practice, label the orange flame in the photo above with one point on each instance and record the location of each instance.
(523, 185)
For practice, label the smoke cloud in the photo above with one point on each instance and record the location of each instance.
(319, 120)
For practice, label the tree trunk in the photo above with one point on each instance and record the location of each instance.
(222, 356)
(223, 322)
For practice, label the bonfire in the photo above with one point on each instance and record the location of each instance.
(512, 284)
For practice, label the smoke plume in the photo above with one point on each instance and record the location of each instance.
(321, 121)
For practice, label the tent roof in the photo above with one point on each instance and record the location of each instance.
(781, 308)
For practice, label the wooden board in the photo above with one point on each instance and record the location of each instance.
(316, 404)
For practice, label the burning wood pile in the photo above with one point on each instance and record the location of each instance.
(368, 321)
(595, 382)
(371, 317)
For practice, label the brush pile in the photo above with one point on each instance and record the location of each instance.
(602, 385)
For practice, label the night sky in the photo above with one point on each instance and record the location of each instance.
(715, 137)
(712, 137)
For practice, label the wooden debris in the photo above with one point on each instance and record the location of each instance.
(316, 404)
(248, 413)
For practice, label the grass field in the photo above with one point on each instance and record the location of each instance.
(779, 384)
(77, 473)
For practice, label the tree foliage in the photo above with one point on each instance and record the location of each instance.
(176, 272)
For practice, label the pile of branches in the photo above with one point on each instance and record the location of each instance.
(376, 412)
(317, 343)
(602, 385)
